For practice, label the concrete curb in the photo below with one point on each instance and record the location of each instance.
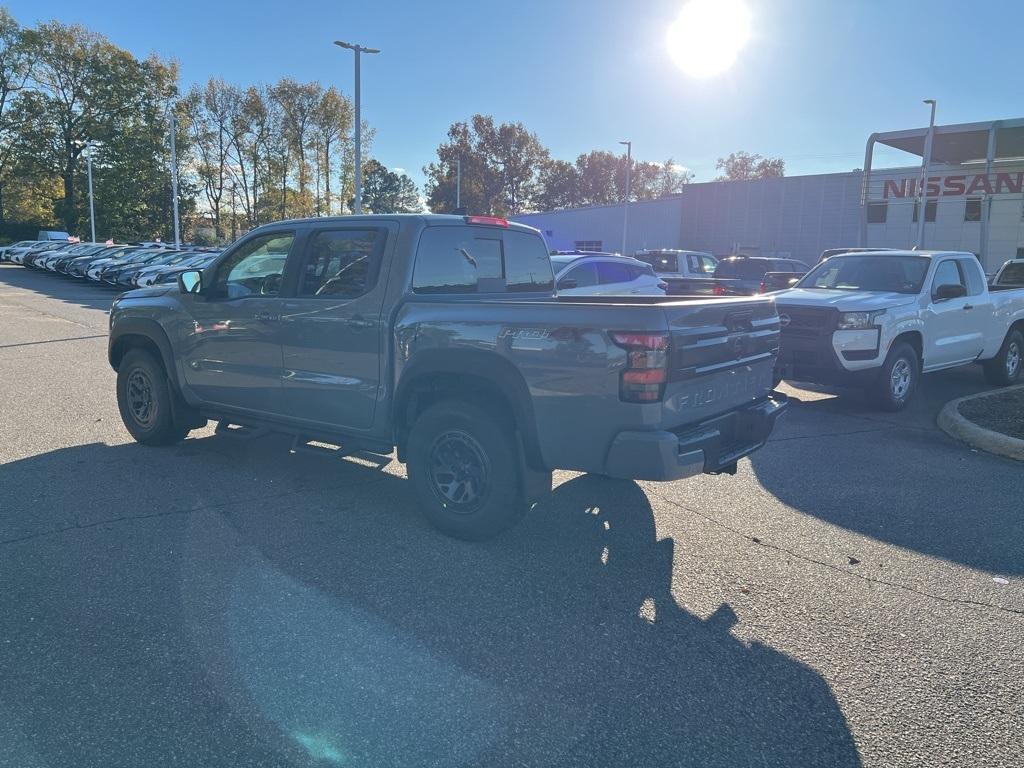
(953, 424)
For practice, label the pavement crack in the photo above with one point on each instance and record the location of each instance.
(830, 434)
(52, 341)
(757, 541)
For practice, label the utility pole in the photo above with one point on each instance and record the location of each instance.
(625, 203)
(458, 182)
(922, 187)
(174, 178)
(358, 49)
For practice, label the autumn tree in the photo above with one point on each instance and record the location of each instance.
(743, 166)
(501, 167)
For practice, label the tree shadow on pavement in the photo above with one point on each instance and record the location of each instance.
(221, 603)
(897, 478)
(81, 293)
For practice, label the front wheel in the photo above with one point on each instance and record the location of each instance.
(144, 399)
(1004, 369)
(898, 379)
(465, 469)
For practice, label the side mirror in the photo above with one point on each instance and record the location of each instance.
(566, 283)
(950, 291)
(191, 281)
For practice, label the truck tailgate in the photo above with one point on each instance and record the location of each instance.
(722, 355)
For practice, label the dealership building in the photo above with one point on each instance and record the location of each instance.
(973, 201)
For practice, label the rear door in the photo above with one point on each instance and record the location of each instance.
(332, 332)
(954, 328)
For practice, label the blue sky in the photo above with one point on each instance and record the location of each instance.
(816, 78)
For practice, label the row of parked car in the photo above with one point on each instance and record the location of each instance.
(125, 266)
(672, 272)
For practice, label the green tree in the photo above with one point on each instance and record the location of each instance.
(385, 191)
(742, 166)
(501, 167)
(16, 58)
(84, 88)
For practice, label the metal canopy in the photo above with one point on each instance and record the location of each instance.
(962, 143)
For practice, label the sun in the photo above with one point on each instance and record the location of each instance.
(706, 37)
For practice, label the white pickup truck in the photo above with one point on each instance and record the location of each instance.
(878, 320)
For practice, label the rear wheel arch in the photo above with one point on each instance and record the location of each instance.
(487, 380)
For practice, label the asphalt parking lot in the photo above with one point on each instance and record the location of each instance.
(226, 603)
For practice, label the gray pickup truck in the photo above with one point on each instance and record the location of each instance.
(442, 336)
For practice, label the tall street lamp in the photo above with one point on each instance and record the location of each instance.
(174, 176)
(625, 202)
(357, 207)
(88, 147)
(922, 187)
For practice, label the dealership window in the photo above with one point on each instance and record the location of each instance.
(589, 245)
(972, 209)
(878, 213)
(929, 210)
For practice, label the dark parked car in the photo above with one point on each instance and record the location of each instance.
(442, 336)
(744, 275)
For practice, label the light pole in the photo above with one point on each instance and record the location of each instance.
(458, 182)
(922, 187)
(625, 202)
(174, 177)
(357, 207)
(88, 162)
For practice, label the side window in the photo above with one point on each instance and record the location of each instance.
(974, 275)
(527, 265)
(709, 264)
(612, 272)
(878, 213)
(458, 260)
(255, 269)
(342, 263)
(585, 275)
(947, 273)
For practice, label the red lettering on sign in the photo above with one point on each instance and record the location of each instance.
(955, 185)
(980, 182)
(1012, 182)
(899, 190)
(934, 187)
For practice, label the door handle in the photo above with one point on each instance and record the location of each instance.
(267, 317)
(968, 306)
(358, 323)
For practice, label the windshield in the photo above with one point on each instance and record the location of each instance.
(885, 274)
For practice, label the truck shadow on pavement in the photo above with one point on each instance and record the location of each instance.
(899, 479)
(227, 604)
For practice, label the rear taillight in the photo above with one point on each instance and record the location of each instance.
(488, 221)
(763, 288)
(718, 290)
(643, 380)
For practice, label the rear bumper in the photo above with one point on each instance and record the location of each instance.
(711, 447)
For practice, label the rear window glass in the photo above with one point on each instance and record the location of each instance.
(480, 259)
(662, 262)
(743, 269)
(1012, 275)
(609, 272)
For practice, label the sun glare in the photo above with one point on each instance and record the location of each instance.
(706, 37)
